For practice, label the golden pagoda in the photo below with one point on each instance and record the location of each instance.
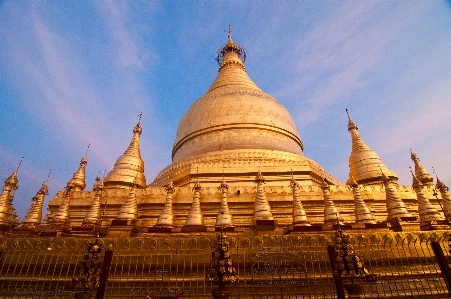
(8, 215)
(236, 128)
(364, 163)
(129, 168)
(420, 172)
(362, 212)
(161, 237)
(34, 215)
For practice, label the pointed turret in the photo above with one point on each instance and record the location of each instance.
(166, 218)
(8, 215)
(129, 168)
(47, 217)
(129, 209)
(364, 163)
(195, 217)
(446, 197)
(34, 215)
(231, 58)
(331, 215)
(77, 183)
(62, 215)
(361, 210)
(93, 215)
(262, 208)
(426, 210)
(420, 172)
(395, 206)
(299, 215)
(224, 217)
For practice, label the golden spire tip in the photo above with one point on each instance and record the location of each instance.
(20, 163)
(229, 32)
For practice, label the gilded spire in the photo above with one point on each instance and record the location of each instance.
(395, 206)
(129, 168)
(420, 172)
(231, 54)
(48, 216)
(231, 58)
(166, 218)
(77, 183)
(224, 217)
(8, 214)
(262, 208)
(364, 163)
(129, 209)
(331, 215)
(93, 215)
(299, 215)
(195, 216)
(426, 210)
(446, 196)
(362, 212)
(63, 214)
(34, 215)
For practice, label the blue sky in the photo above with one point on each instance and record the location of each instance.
(74, 73)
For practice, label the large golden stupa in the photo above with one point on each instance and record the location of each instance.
(234, 129)
(238, 167)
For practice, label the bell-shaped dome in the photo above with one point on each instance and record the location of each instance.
(235, 114)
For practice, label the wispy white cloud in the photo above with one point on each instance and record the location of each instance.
(337, 53)
(128, 51)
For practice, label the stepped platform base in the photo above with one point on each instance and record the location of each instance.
(194, 228)
(434, 225)
(5, 228)
(24, 232)
(381, 225)
(86, 230)
(263, 226)
(124, 228)
(341, 226)
(159, 230)
(54, 230)
(307, 228)
(404, 224)
(224, 229)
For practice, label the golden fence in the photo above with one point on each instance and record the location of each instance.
(291, 266)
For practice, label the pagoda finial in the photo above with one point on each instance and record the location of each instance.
(229, 32)
(129, 209)
(446, 196)
(299, 215)
(77, 182)
(331, 214)
(93, 215)
(420, 172)
(129, 167)
(224, 217)
(166, 218)
(361, 210)
(262, 208)
(364, 163)
(138, 128)
(34, 215)
(195, 216)
(231, 54)
(351, 123)
(20, 163)
(426, 210)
